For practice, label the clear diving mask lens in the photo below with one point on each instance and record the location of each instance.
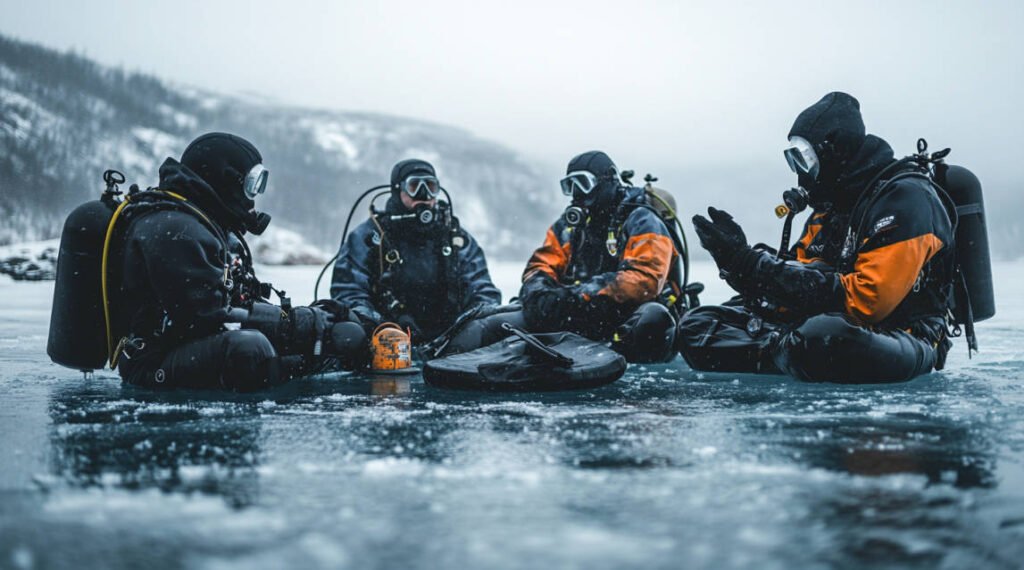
(582, 180)
(255, 182)
(421, 187)
(801, 158)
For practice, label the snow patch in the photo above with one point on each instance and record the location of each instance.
(23, 117)
(393, 467)
(331, 139)
(7, 74)
(182, 120)
(29, 249)
(431, 156)
(278, 246)
(159, 142)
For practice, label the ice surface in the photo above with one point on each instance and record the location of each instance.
(665, 468)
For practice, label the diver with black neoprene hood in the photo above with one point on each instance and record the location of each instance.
(610, 269)
(165, 278)
(604, 269)
(878, 283)
(411, 263)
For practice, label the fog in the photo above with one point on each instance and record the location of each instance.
(693, 91)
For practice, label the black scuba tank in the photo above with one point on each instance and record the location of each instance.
(78, 334)
(972, 251)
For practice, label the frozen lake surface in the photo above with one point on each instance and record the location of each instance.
(664, 468)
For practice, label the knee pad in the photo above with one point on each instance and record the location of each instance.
(250, 361)
(248, 345)
(826, 328)
(347, 341)
(823, 348)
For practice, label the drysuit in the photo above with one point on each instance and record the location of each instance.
(180, 281)
(864, 294)
(419, 275)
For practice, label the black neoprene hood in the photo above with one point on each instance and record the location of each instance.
(222, 160)
(594, 162)
(409, 167)
(833, 126)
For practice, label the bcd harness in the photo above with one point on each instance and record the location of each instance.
(615, 242)
(388, 257)
(943, 286)
(144, 203)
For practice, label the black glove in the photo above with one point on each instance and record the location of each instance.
(367, 317)
(407, 322)
(721, 236)
(547, 305)
(337, 310)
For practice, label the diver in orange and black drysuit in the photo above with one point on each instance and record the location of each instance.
(863, 296)
(602, 272)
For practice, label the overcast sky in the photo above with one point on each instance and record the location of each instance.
(686, 84)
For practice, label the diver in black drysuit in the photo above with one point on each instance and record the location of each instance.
(421, 275)
(181, 275)
(863, 297)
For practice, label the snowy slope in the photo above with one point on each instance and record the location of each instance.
(65, 119)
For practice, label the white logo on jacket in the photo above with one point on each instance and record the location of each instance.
(883, 222)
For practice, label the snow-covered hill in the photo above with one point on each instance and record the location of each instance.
(65, 119)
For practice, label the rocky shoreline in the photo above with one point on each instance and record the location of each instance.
(29, 264)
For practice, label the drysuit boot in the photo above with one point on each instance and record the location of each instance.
(824, 348)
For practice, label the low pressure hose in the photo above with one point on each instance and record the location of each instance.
(344, 236)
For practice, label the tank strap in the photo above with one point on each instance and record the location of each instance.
(960, 282)
(968, 209)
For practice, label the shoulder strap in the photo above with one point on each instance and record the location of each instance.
(860, 213)
(158, 200)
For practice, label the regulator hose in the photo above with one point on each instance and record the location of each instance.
(344, 236)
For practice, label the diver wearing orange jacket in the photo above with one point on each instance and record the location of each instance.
(603, 271)
(863, 295)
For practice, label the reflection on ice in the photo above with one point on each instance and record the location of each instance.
(125, 439)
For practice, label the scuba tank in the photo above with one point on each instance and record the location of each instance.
(663, 203)
(972, 251)
(81, 333)
(78, 335)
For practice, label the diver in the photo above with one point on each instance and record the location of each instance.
(863, 296)
(183, 305)
(603, 271)
(412, 263)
